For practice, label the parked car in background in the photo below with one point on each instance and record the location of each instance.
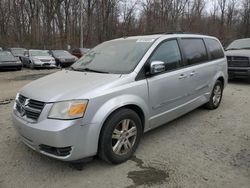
(116, 92)
(8, 61)
(63, 58)
(38, 58)
(17, 52)
(238, 57)
(1, 49)
(79, 52)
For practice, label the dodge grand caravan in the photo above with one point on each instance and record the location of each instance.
(116, 92)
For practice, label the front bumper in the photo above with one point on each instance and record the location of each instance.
(81, 139)
(239, 72)
(48, 65)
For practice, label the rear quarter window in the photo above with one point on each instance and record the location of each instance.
(214, 48)
(194, 50)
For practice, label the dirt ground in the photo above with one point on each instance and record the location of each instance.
(201, 149)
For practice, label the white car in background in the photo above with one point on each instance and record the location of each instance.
(38, 58)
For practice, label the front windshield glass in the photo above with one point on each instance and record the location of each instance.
(118, 57)
(239, 44)
(84, 50)
(61, 53)
(7, 56)
(39, 53)
(18, 51)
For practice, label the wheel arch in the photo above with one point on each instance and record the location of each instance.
(138, 110)
(221, 77)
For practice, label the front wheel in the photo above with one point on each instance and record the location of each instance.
(120, 136)
(216, 96)
(31, 65)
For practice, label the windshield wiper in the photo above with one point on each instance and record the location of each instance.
(89, 70)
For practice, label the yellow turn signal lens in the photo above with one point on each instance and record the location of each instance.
(76, 109)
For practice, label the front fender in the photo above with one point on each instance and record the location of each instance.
(107, 109)
(115, 103)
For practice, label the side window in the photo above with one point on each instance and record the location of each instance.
(195, 51)
(169, 53)
(214, 49)
(26, 53)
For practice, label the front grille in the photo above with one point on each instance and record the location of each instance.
(56, 151)
(237, 61)
(29, 108)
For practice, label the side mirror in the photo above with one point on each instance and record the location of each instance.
(157, 67)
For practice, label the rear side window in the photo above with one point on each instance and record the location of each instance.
(214, 48)
(194, 50)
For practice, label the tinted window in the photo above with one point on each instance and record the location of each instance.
(214, 49)
(169, 53)
(195, 51)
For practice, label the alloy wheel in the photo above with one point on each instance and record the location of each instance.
(217, 95)
(124, 137)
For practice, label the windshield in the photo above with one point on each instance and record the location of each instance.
(118, 57)
(84, 50)
(39, 53)
(61, 53)
(18, 51)
(7, 56)
(239, 44)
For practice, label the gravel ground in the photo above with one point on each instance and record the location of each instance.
(201, 149)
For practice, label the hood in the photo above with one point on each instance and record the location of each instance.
(66, 85)
(244, 53)
(43, 57)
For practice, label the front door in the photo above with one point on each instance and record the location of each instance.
(168, 91)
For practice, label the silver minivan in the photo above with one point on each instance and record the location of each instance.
(116, 92)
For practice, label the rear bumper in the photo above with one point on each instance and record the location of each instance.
(239, 72)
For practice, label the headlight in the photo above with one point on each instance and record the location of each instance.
(68, 109)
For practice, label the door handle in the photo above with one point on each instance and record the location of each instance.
(192, 73)
(182, 76)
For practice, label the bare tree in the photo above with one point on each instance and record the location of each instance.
(56, 23)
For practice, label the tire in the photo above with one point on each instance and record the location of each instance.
(31, 65)
(248, 80)
(59, 66)
(216, 96)
(117, 131)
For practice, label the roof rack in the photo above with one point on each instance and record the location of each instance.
(172, 33)
(182, 32)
